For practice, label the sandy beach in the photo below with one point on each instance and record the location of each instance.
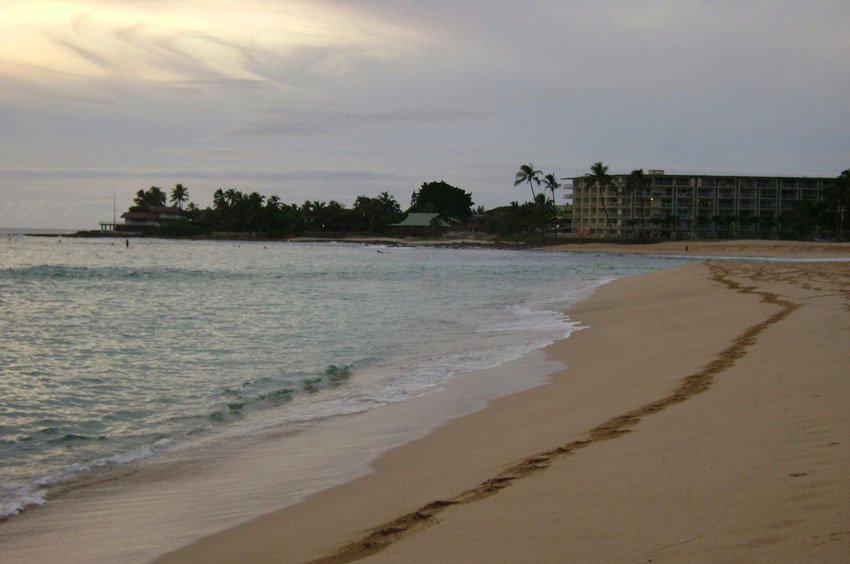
(701, 417)
(721, 247)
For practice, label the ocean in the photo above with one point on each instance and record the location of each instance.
(115, 357)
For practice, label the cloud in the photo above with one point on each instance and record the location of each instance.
(223, 175)
(305, 122)
(159, 41)
(84, 53)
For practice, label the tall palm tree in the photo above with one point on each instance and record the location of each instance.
(151, 198)
(837, 200)
(636, 185)
(179, 194)
(219, 201)
(232, 196)
(599, 178)
(527, 173)
(550, 182)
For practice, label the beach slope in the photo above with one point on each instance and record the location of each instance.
(702, 417)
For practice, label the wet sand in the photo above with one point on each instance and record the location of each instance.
(702, 417)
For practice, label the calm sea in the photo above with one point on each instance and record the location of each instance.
(113, 354)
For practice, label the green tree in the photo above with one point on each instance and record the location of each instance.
(443, 198)
(527, 173)
(153, 197)
(550, 182)
(637, 186)
(599, 178)
(377, 213)
(219, 201)
(253, 215)
(807, 217)
(527, 219)
(837, 200)
(179, 195)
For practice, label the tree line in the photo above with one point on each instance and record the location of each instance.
(233, 210)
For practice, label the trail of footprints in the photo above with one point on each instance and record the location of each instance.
(384, 535)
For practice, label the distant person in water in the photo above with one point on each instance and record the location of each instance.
(127, 243)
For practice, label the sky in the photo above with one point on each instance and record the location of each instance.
(332, 99)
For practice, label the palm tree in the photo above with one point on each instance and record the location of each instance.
(550, 182)
(527, 173)
(151, 198)
(179, 194)
(600, 178)
(219, 201)
(232, 196)
(637, 183)
(254, 204)
(837, 200)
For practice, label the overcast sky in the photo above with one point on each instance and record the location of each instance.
(331, 99)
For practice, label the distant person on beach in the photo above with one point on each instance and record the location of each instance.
(127, 243)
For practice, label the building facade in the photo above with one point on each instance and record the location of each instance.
(691, 206)
(142, 220)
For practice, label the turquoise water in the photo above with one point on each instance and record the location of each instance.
(113, 354)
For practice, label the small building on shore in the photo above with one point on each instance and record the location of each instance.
(143, 220)
(421, 225)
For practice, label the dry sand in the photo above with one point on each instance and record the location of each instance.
(737, 248)
(703, 417)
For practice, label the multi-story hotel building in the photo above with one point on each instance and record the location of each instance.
(686, 205)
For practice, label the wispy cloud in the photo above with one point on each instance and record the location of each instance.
(287, 122)
(179, 41)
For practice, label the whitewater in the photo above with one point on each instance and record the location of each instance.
(119, 360)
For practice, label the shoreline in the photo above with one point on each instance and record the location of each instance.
(768, 248)
(164, 495)
(447, 479)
